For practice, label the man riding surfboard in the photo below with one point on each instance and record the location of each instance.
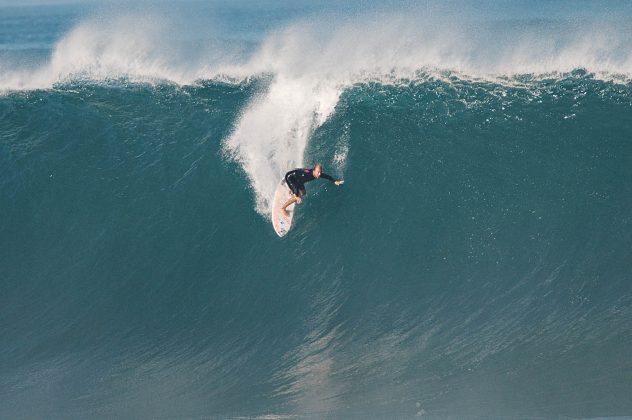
(297, 178)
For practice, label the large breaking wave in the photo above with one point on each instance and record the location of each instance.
(310, 63)
(475, 263)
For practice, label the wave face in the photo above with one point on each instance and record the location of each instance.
(475, 263)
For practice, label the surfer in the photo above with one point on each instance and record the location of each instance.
(297, 178)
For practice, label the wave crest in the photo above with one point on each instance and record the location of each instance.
(311, 63)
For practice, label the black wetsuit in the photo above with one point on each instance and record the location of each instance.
(297, 178)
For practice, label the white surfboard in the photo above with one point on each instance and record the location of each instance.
(280, 221)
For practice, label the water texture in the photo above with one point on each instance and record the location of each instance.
(476, 263)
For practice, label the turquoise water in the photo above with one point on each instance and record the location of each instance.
(476, 263)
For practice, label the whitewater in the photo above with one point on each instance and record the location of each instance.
(310, 64)
(476, 262)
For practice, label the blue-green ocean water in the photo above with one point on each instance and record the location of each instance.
(476, 263)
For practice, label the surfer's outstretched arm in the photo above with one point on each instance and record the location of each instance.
(332, 179)
(328, 177)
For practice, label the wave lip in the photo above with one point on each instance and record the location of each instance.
(469, 242)
(312, 68)
(153, 46)
(310, 63)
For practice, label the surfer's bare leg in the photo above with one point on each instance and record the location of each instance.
(294, 199)
(288, 203)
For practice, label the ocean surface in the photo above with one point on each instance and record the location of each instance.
(477, 262)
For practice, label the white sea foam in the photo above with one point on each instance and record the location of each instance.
(311, 69)
(309, 64)
(272, 133)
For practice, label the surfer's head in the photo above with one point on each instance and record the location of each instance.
(317, 170)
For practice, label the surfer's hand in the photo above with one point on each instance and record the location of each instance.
(298, 200)
(339, 182)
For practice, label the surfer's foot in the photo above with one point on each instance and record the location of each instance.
(285, 213)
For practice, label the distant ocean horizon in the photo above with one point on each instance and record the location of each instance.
(475, 264)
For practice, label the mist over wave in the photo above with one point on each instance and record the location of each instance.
(152, 45)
